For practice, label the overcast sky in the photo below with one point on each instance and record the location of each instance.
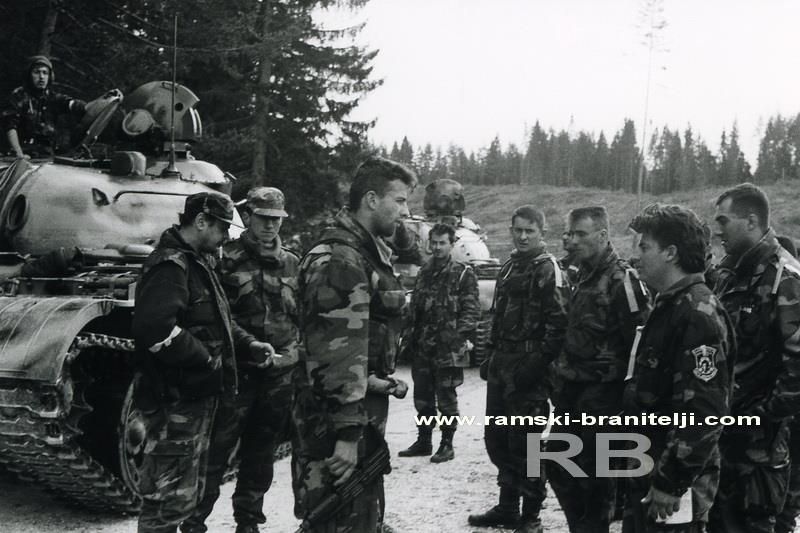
(463, 71)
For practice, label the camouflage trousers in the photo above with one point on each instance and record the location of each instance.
(256, 418)
(313, 482)
(786, 521)
(433, 385)
(507, 445)
(754, 478)
(174, 464)
(588, 503)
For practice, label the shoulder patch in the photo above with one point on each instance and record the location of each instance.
(705, 362)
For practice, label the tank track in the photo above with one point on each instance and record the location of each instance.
(39, 430)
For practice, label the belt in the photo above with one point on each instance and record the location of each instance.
(518, 346)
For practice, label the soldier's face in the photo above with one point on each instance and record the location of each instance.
(265, 229)
(213, 233)
(732, 229)
(389, 210)
(525, 234)
(586, 241)
(40, 75)
(653, 262)
(440, 246)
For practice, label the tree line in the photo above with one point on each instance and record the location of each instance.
(674, 160)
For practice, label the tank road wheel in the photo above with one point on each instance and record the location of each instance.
(480, 351)
(132, 440)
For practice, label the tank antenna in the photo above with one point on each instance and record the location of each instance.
(171, 170)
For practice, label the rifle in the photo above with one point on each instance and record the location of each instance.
(374, 466)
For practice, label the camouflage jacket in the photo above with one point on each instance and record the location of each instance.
(261, 285)
(34, 117)
(352, 307)
(181, 320)
(605, 307)
(684, 364)
(529, 309)
(761, 292)
(444, 312)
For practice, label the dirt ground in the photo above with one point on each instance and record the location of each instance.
(421, 497)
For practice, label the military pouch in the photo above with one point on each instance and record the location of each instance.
(765, 489)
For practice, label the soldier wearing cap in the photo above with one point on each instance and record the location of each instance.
(29, 117)
(185, 339)
(260, 279)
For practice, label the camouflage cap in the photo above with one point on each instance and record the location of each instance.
(266, 201)
(211, 203)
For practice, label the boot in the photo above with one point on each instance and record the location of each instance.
(246, 528)
(529, 522)
(445, 451)
(505, 514)
(422, 446)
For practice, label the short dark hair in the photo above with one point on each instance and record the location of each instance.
(788, 244)
(443, 229)
(597, 214)
(375, 174)
(672, 225)
(529, 212)
(747, 199)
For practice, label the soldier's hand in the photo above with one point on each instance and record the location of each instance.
(400, 388)
(214, 363)
(343, 462)
(662, 504)
(263, 353)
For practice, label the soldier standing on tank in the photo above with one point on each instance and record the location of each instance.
(682, 363)
(527, 333)
(352, 310)
(759, 285)
(260, 280)
(444, 315)
(29, 117)
(606, 305)
(185, 336)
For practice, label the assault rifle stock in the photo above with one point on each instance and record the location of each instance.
(375, 465)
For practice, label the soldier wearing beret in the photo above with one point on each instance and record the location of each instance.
(186, 338)
(260, 279)
(682, 362)
(759, 285)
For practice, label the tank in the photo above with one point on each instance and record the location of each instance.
(444, 202)
(66, 353)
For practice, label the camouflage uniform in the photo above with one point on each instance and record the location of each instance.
(761, 292)
(683, 365)
(528, 325)
(444, 315)
(352, 307)
(34, 113)
(261, 285)
(605, 307)
(182, 320)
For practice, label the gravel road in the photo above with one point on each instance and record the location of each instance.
(422, 497)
